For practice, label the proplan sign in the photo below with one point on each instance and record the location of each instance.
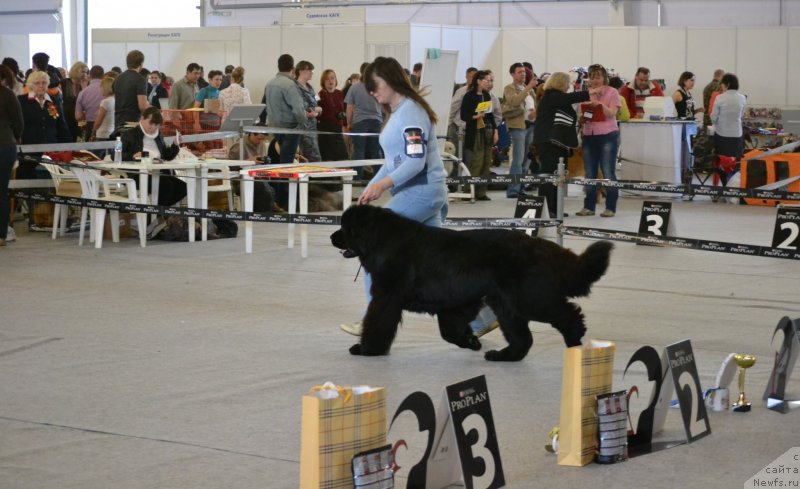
(333, 15)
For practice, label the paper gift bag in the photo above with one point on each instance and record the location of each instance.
(339, 422)
(587, 373)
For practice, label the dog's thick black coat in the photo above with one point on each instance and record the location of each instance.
(449, 273)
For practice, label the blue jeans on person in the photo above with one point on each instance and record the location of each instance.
(521, 140)
(366, 147)
(288, 144)
(600, 152)
(423, 203)
(8, 155)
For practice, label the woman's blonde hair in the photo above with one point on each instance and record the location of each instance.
(106, 85)
(78, 70)
(557, 81)
(36, 76)
(237, 75)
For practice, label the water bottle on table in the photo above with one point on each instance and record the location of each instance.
(118, 150)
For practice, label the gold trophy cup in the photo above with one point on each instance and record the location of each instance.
(744, 362)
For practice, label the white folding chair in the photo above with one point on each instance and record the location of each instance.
(66, 185)
(98, 187)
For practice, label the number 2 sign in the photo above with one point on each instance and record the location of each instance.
(461, 440)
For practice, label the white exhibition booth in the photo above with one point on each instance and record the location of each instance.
(760, 56)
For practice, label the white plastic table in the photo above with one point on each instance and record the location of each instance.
(346, 174)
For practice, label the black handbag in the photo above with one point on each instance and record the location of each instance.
(564, 132)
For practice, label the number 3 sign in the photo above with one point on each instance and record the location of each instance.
(655, 219)
(463, 428)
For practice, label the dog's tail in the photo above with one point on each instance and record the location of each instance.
(592, 264)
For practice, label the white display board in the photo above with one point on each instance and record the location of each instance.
(438, 76)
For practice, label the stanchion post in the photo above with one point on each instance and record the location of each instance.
(561, 190)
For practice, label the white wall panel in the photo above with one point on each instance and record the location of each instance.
(487, 49)
(152, 57)
(260, 49)
(422, 37)
(175, 56)
(616, 48)
(761, 58)
(793, 68)
(342, 61)
(459, 39)
(520, 45)
(303, 43)
(707, 50)
(567, 48)
(663, 50)
(106, 54)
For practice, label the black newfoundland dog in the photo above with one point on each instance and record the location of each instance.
(450, 273)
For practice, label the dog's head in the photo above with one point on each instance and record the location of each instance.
(357, 231)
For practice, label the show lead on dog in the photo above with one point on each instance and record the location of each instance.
(413, 171)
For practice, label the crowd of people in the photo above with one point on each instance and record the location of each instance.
(538, 112)
(539, 115)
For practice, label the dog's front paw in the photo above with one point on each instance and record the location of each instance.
(473, 343)
(359, 349)
(504, 355)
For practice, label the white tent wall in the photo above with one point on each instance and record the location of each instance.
(584, 13)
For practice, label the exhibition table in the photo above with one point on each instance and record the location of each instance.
(301, 178)
(655, 150)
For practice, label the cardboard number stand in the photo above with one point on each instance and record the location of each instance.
(785, 358)
(462, 442)
(787, 229)
(674, 367)
(531, 207)
(655, 220)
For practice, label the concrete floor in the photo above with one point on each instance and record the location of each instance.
(183, 365)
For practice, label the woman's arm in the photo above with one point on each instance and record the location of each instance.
(98, 121)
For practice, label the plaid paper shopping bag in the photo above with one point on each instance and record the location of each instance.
(587, 373)
(337, 423)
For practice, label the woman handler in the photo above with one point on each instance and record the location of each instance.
(413, 172)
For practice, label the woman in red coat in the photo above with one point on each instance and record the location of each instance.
(332, 119)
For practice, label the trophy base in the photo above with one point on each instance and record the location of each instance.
(782, 406)
(742, 408)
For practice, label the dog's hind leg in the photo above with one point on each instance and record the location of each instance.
(520, 340)
(379, 327)
(454, 326)
(569, 321)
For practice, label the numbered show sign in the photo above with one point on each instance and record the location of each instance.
(786, 235)
(461, 439)
(674, 370)
(655, 220)
(531, 207)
